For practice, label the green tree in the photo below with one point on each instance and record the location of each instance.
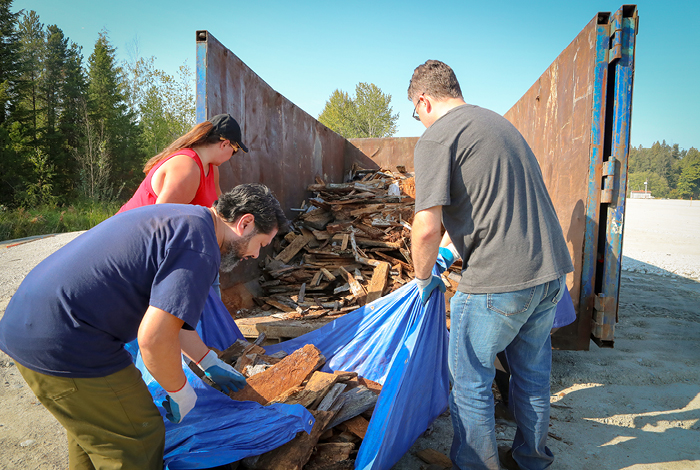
(164, 104)
(9, 74)
(111, 116)
(339, 114)
(70, 121)
(689, 180)
(368, 114)
(32, 44)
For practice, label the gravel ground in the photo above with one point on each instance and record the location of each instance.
(636, 406)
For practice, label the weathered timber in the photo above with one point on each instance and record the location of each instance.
(294, 454)
(432, 456)
(289, 372)
(356, 401)
(293, 248)
(331, 397)
(378, 282)
(312, 393)
(276, 328)
(344, 375)
(327, 274)
(369, 242)
(238, 349)
(358, 426)
(335, 455)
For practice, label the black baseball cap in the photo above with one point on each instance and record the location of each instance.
(228, 128)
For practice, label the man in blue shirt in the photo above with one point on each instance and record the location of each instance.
(141, 274)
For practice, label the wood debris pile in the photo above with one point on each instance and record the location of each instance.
(349, 246)
(340, 402)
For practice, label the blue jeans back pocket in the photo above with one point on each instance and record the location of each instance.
(510, 303)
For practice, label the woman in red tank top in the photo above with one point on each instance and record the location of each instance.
(187, 171)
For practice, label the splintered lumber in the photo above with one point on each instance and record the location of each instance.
(289, 372)
(294, 454)
(311, 395)
(344, 375)
(277, 328)
(355, 402)
(432, 456)
(331, 397)
(238, 349)
(330, 455)
(357, 290)
(358, 426)
(293, 248)
(378, 282)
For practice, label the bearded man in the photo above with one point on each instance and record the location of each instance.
(144, 274)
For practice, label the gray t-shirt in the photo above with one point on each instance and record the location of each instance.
(495, 206)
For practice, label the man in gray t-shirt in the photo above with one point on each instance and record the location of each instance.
(476, 175)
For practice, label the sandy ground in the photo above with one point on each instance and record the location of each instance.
(636, 406)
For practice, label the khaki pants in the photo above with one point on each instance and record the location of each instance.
(111, 421)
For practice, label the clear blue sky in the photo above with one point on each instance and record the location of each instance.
(498, 49)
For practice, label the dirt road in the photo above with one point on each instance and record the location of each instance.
(636, 406)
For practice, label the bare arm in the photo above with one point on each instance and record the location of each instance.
(425, 240)
(177, 180)
(159, 342)
(215, 169)
(446, 240)
(192, 345)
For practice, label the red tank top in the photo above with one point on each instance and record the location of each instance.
(206, 192)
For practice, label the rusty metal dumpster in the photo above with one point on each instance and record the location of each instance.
(576, 117)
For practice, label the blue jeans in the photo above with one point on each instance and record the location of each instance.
(482, 325)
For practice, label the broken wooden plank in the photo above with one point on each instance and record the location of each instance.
(311, 394)
(293, 248)
(378, 282)
(369, 242)
(331, 455)
(432, 456)
(327, 274)
(289, 372)
(355, 402)
(331, 397)
(358, 426)
(276, 328)
(294, 454)
(356, 288)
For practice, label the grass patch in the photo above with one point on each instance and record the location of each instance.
(43, 220)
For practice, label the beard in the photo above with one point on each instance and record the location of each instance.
(233, 253)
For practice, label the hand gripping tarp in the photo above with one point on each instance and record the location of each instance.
(394, 341)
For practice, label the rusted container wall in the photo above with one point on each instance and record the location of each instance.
(288, 147)
(555, 117)
(385, 153)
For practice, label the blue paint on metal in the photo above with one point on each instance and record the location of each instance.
(201, 74)
(624, 72)
(590, 244)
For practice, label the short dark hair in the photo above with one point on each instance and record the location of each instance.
(255, 199)
(436, 79)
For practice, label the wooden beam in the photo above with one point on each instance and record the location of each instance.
(378, 282)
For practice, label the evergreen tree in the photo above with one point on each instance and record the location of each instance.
(70, 121)
(9, 73)
(111, 116)
(32, 44)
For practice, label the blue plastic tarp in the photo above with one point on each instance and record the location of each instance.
(394, 341)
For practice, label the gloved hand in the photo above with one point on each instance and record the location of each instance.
(448, 254)
(222, 374)
(178, 404)
(426, 287)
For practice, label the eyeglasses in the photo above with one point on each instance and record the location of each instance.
(415, 116)
(234, 147)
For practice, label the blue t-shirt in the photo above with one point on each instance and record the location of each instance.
(73, 313)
